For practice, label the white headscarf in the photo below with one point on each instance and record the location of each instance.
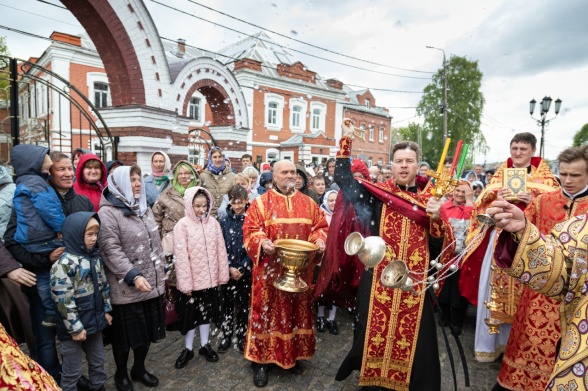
(119, 184)
(325, 204)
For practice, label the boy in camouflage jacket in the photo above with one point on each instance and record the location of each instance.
(80, 291)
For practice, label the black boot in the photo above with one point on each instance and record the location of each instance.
(320, 324)
(224, 344)
(332, 325)
(208, 353)
(121, 377)
(185, 356)
(260, 375)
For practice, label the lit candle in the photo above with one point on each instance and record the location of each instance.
(443, 156)
(456, 157)
(462, 159)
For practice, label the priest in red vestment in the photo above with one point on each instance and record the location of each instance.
(281, 324)
(530, 353)
(395, 344)
(476, 274)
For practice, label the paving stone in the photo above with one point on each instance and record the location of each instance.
(233, 372)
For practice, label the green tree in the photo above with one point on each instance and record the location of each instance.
(581, 136)
(3, 66)
(465, 105)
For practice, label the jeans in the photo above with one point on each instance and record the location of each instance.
(46, 352)
(44, 292)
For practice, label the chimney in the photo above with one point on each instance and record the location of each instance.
(66, 38)
(181, 47)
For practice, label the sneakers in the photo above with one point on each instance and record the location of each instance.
(49, 321)
(224, 345)
(332, 325)
(320, 324)
(208, 353)
(185, 356)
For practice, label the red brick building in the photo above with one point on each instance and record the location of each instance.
(253, 97)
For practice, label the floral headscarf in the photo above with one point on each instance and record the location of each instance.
(211, 167)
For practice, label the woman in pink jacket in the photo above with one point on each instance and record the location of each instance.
(201, 266)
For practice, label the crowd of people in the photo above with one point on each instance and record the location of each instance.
(108, 254)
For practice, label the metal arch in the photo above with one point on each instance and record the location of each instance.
(196, 140)
(76, 100)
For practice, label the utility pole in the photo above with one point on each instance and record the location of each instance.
(444, 93)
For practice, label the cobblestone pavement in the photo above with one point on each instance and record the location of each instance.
(233, 372)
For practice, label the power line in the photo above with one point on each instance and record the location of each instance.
(42, 16)
(386, 89)
(283, 47)
(305, 43)
(45, 38)
(54, 5)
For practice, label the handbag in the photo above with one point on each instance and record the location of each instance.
(169, 303)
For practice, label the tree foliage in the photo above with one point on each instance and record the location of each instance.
(465, 105)
(581, 136)
(3, 65)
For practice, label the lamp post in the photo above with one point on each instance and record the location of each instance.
(444, 93)
(545, 105)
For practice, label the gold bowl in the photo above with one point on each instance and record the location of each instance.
(294, 255)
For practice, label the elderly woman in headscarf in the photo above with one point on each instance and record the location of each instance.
(132, 254)
(159, 179)
(217, 178)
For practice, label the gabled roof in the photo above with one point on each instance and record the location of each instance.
(354, 104)
(263, 48)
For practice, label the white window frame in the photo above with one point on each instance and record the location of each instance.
(380, 162)
(370, 162)
(103, 96)
(98, 77)
(371, 132)
(367, 102)
(275, 154)
(202, 106)
(289, 155)
(321, 118)
(381, 134)
(279, 100)
(296, 102)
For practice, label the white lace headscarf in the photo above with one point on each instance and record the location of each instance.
(119, 184)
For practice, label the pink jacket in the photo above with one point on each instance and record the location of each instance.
(199, 248)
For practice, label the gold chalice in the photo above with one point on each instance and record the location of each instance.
(294, 255)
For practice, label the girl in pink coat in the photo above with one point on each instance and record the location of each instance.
(201, 266)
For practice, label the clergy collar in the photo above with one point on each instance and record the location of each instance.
(412, 189)
(580, 194)
(276, 188)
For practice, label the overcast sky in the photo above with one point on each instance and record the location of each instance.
(525, 49)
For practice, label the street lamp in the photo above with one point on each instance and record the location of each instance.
(444, 93)
(545, 105)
